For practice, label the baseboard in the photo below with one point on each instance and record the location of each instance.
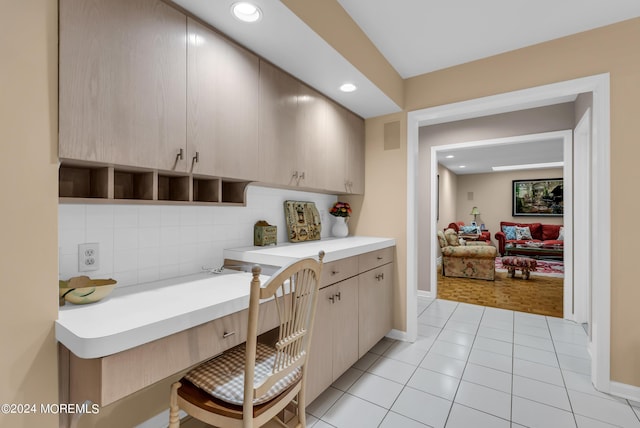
(425, 294)
(161, 420)
(624, 390)
(398, 335)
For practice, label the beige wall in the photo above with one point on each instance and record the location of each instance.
(385, 215)
(28, 256)
(492, 195)
(448, 209)
(602, 50)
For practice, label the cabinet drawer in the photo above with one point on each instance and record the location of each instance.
(368, 261)
(108, 379)
(338, 270)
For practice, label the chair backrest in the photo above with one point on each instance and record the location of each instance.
(295, 290)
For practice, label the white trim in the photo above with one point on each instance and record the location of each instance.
(412, 238)
(426, 294)
(624, 390)
(568, 219)
(161, 420)
(567, 138)
(601, 202)
(400, 335)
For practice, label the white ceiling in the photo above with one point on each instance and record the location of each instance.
(477, 160)
(420, 36)
(415, 36)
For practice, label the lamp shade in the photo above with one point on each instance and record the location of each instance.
(475, 211)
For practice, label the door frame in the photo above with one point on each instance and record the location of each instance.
(599, 86)
(567, 141)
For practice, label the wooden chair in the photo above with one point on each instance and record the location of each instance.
(252, 383)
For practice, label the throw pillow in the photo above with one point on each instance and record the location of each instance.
(561, 234)
(452, 237)
(509, 232)
(469, 229)
(523, 233)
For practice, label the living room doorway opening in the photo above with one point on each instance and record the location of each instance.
(498, 208)
(599, 226)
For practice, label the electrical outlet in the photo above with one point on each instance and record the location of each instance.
(88, 257)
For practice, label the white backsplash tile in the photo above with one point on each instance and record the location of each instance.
(143, 243)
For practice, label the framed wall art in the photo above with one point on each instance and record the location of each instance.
(541, 197)
(303, 221)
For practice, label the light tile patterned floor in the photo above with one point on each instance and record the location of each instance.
(474, 367)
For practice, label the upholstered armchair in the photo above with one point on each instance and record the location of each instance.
(466, 261)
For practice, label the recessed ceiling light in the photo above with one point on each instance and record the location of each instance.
(528, 166)
(348, 87)
(246, 12)
(450, 156)
(462, 166)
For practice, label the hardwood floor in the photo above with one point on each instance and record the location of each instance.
(541, 295)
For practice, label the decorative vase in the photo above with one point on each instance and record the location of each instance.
(340, 228)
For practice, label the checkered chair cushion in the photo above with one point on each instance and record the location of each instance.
(223, 376)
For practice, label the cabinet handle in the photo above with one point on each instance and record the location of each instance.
(228, 334)
(333, 298)
(335, 272)
(196, 158)
(380, 276)
(339, 295)
(380, 257)
(298, 176)
(180, 155)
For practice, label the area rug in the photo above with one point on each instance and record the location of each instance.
(545, 267)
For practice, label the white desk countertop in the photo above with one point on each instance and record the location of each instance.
(334, 248)
(135, 315)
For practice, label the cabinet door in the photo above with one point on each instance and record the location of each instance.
(311, 128)
(320, 366)
(345, 324)
(354, 172)
(375, 306)
(278, 124)
(222, 106)
(122, 82)
(334, 142)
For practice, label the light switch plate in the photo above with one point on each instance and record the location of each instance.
(88, 257)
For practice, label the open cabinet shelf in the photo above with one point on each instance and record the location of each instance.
(103, 184)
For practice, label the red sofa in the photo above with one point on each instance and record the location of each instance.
(548, 234)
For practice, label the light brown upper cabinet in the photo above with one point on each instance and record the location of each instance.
(222, 106)
(354, 164)
(281, 151)
(122, 83)
(307, 140)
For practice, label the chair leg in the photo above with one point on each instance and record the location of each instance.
(302, 416)
(174, 417)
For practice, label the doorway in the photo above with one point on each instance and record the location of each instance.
(565, 138)
(600, 202)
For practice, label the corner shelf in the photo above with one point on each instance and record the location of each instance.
(89, 183)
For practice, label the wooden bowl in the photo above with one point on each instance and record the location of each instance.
(81, 290)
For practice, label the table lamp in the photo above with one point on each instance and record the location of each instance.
(475, 213)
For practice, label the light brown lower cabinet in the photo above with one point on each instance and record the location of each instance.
(375, 314)
(353, 314)
(334, 345)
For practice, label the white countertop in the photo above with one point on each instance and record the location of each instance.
(334, 248)
(135, 315)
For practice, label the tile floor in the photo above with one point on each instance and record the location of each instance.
(474, 367)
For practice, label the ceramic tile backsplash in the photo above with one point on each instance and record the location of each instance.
(142, 243)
